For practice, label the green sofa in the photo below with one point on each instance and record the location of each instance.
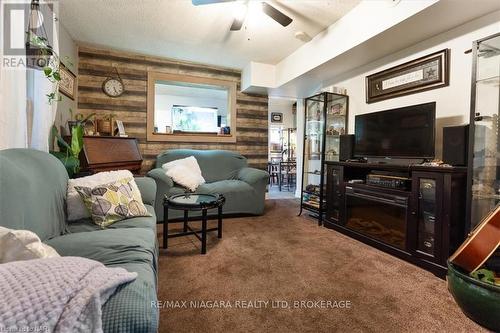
(33, 187)
(225, 172)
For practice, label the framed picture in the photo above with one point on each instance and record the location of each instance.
(335, 109)
(276, 117)
(67, 85)
(120, 129)
(425, 73)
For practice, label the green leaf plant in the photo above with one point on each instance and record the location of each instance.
(69, 153)
(52, 65)
(485, 275)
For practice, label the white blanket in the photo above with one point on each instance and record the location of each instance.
(62, 294)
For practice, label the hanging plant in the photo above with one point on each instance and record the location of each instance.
(48, 59)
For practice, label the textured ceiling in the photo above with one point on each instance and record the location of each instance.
(177, 29)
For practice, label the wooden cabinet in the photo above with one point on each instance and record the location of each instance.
(422, 223)
(426, 212)
(334, 193)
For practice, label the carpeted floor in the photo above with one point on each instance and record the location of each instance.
(282, 257)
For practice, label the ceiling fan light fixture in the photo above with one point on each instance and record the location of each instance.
(239, 11)
(392, 3)
(303, 36)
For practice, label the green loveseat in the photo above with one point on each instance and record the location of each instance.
(225, 172)
(33, 187)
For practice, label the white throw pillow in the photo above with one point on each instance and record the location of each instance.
(22, 245)
(74, 204)
(186, 172)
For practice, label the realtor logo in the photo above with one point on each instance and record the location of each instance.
(27, 28)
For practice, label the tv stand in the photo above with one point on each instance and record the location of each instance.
(395, 161)
(358, 160)
(422, 223)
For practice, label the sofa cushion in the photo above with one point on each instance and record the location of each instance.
(225, 187)
(110, 246)
(84, 225)
(215, 165)
(130, 308)
(33, 192)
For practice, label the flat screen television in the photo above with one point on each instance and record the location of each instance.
(407, 132)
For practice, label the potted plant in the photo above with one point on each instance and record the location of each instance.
(477, 294)
(80, 118)
(69, 153)
(105, 124)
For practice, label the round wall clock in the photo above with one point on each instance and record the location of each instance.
(113, 87)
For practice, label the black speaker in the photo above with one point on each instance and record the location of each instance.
(455, 142)
(346, 147)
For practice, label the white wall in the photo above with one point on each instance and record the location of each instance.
(300, 144)
(68, 52)
(282, 105)
(452, 102)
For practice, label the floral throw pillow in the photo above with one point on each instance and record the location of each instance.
(113, 202)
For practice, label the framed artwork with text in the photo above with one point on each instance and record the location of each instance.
(425, 73)
(67, 84)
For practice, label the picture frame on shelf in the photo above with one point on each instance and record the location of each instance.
(425, 73)
(120, 129)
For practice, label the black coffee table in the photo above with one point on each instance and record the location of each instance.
(193, 202)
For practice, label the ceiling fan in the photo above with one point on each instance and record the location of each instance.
(269, 10)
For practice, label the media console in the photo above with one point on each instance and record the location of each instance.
(422, 222)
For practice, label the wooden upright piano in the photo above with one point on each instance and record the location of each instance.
(106, 153)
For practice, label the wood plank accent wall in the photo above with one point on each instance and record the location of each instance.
(95, 64)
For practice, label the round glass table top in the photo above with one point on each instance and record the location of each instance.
(194, 200)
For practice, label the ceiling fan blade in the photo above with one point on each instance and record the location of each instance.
(275, 14)
(236, 24)
(208, 2)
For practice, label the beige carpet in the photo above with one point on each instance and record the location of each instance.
(282, 257)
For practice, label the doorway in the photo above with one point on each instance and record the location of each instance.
(282, 162)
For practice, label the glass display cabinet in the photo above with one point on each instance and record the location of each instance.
(325, 120)
(484, 135)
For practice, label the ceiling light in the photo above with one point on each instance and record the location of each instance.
(392, 3)
(254, 13)
(301, 35)
(239, 11)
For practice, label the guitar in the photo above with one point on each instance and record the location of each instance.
(480, 244)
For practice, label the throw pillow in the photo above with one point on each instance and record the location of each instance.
(74, 204)
(22, 245)
(185, 172)
(112, 202)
